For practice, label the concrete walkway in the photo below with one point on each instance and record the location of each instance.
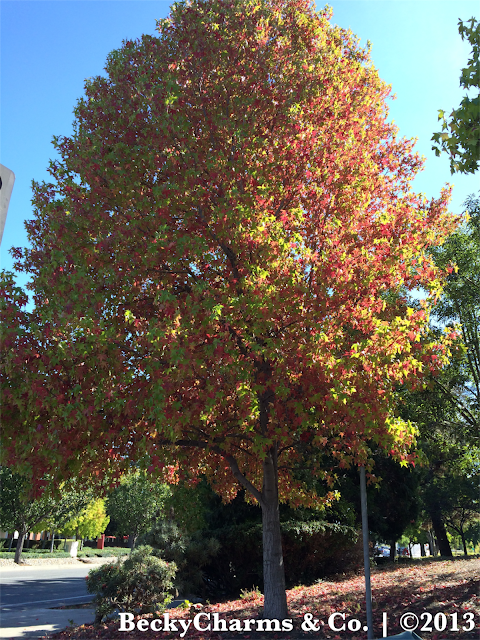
(35, 623)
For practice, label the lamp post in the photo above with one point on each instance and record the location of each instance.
(406, 635)
(366, 554)
(7, 178)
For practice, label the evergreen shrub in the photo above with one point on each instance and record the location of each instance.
(140, 584)
(311, 550)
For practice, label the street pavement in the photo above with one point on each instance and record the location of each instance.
(29, 593)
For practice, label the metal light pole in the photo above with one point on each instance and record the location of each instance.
(7, 178)
(366, 554)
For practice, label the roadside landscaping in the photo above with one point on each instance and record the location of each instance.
(86, 552)
(438, 592)
(43, 556)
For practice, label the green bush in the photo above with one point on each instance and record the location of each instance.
(189, 552)
(316, 549)
(38, 553)
(311, 550)
(88, 552)
(139, 584)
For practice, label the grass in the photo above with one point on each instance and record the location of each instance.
(86, 552)
(424, 588)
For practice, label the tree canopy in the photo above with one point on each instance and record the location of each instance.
(136, 504)
(21, 511)
(216, 263)
(90, 522)
(460, 136)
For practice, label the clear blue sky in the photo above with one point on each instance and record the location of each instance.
(49, 47)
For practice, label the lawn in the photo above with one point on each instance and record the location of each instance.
(441, 593)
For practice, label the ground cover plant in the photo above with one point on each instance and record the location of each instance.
(445, 586)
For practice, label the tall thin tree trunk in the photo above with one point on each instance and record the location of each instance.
(275, 599)
(440, 532)
(432, 544)
(52, 542)
(462, 535)
(19, 547)
(132, 539)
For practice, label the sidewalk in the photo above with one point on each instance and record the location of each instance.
(35, 623)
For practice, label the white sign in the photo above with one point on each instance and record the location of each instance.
(7, 178)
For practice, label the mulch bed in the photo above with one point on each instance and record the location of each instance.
(440, 593)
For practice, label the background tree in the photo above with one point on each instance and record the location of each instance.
(211, 263)
(89, 523)
(136, 504)
(393, 503)
(21, 511)
(460, 136)
(447, 412)
(462, 507)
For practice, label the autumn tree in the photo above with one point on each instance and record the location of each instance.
(213, 262)
(460, 135)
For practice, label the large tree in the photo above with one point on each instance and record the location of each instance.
(214, 261)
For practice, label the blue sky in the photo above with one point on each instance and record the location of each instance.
(49, 47)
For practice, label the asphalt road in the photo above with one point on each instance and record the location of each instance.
(43, 586)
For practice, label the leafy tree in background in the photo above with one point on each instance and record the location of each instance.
(462, 507)
(136, 504)
(89, 523)
(460, 136)
(393, 503)
(447, 412)
(21, 511)
(472, 534)
(211, 263)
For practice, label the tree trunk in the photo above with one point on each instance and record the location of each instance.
(275, 599)
(132, 539)
(10, 543)
(52, 542)
(431, 544)
(423, 552)
(19, 547)
(393, 550)
(440, 532)
(462, 535)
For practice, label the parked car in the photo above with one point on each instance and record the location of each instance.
(381, 551)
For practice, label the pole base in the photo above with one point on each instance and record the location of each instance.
(406, 635)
